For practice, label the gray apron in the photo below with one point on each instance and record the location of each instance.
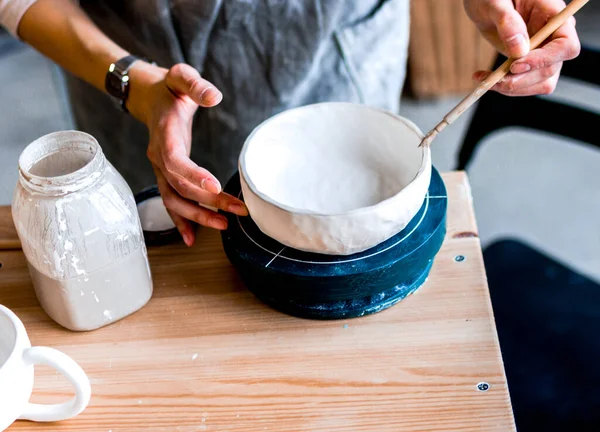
(265, 56)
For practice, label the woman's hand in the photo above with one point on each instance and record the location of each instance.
(166, 100)
(507, 24)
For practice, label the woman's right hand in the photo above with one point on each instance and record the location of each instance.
(165, 101)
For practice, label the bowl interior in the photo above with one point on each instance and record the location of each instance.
(332, 158)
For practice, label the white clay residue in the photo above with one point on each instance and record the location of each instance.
(154, 215)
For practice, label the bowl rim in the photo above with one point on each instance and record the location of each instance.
(425, 161)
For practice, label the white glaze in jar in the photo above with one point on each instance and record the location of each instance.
(80, 231)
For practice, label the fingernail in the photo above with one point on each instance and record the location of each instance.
(480, 75)
(517, 44)
(218, 223)
(518, 68)
(238, 209)
(211, 96)
(210, 186)
(186, 238)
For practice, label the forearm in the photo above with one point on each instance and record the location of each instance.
(61, 31)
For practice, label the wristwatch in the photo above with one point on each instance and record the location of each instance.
(117, 79)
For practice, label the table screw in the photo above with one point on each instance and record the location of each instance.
(459, 258)
(483, 386)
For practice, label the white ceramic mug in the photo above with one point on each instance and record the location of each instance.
(17, 359)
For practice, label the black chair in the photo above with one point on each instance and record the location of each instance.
(495, 111)
(548, 321)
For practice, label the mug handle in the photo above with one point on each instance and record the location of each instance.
(72, 371)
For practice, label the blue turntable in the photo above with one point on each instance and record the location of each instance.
(317, 286)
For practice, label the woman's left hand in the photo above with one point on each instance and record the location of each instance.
(507, 24)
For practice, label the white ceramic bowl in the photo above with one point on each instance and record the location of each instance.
(334, 178)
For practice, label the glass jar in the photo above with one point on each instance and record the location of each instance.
(80, 231)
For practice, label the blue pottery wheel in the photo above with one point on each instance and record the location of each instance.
(317, 286)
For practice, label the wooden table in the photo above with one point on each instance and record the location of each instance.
(205, 355)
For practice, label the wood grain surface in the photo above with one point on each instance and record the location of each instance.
(205, 355)
(8, 234)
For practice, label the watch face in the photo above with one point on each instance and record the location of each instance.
(115, 86)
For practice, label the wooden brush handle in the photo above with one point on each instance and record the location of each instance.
(545, 32)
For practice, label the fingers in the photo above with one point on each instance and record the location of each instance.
(187, 210)
(530, 84)
(179, 167)
(185, 80)
(222, 200)
(543, 88)
(540, 12)
(207, 191)
(184, 227)
(167, 152)
(195, 213)
(539, 70)
(512, 83)
(563, 46)
(511, 28)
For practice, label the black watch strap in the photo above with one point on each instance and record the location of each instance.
(117, 79)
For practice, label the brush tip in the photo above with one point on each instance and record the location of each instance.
(428, 139)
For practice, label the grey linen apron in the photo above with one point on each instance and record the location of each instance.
(264, 55)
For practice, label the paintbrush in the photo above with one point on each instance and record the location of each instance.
(545, 32)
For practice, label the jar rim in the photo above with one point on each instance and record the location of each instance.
(53, 143)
